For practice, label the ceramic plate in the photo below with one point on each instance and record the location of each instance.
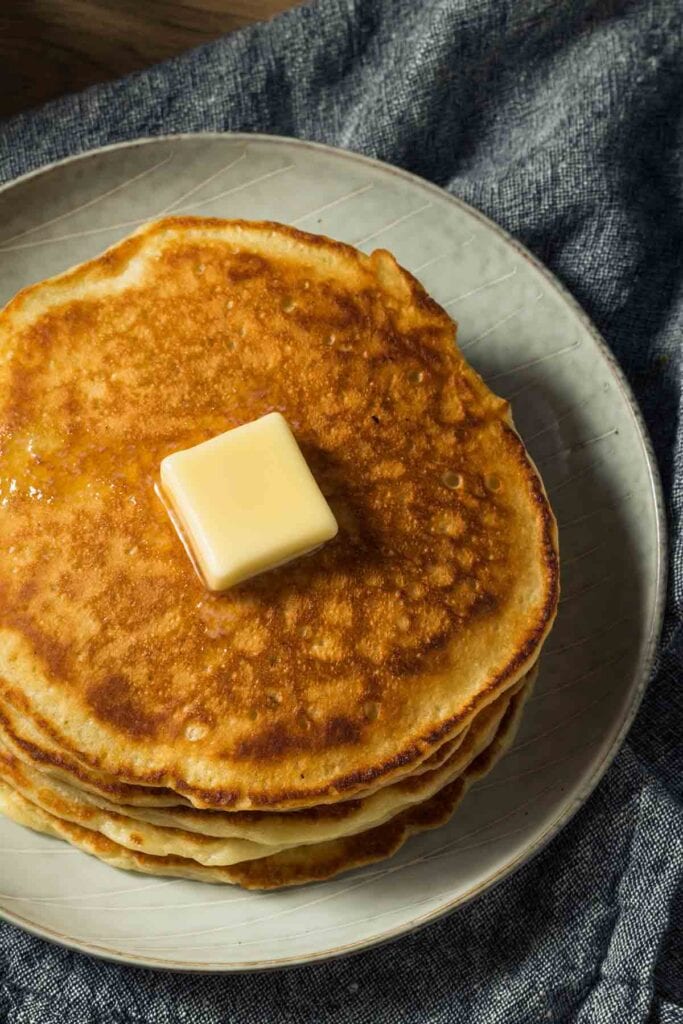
(533, 345)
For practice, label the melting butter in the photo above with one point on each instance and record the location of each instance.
(246, 501)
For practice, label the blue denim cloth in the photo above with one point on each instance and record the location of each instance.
(564, 122)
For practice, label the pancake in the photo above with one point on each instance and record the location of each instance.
(289, 867)
(261, 826)
(220, 838)
(68, 806)
(325, 677)
(37, 749)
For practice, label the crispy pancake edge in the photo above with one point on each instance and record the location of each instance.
(300, 865)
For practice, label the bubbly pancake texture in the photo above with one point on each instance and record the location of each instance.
(335, 672)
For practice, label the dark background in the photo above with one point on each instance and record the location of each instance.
(51, 47)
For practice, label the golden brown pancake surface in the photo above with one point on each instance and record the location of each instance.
(268, 828)
(294, 866)
(312, 681)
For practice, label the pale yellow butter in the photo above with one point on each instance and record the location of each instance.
(246, 501)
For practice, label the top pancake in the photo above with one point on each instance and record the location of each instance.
(335, 672)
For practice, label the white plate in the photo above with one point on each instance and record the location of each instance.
(535, 346)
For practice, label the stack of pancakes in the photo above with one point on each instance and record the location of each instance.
(308, 720)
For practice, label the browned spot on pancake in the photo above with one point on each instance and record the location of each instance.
(342, 731)
(241, 267)
(270, 742)
(267, 744)
(113, 700)
(49, 649)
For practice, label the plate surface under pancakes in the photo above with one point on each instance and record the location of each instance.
(288, 867)
(316, 680)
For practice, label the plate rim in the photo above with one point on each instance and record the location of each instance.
(655, 624)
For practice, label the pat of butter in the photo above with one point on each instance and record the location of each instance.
(246, 501)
